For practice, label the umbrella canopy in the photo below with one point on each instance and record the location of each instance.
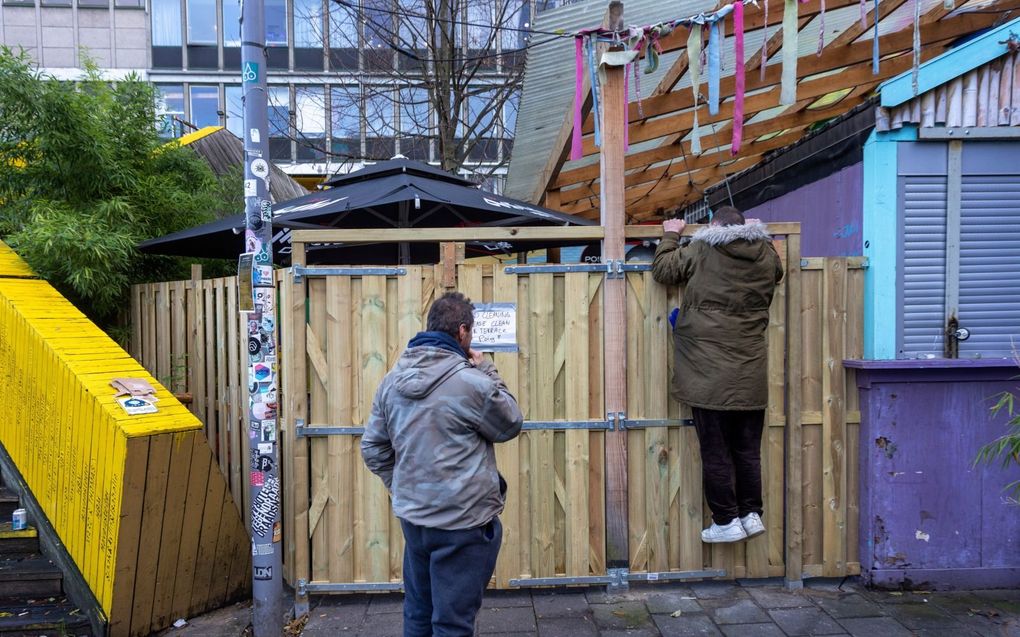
(399, 193)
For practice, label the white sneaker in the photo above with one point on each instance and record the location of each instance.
(732, 532)
(752, 525)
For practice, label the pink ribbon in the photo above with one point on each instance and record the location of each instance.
(576, 148)
(738, 73)
(765, 45)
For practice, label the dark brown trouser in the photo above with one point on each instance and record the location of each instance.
(730, 461)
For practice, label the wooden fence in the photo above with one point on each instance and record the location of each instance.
(135, 501)
(338, 527)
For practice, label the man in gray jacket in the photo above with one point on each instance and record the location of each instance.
(429, 437)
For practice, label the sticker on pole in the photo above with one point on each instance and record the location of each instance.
(495, 328)
(260, 168)
(245, 298)
(135, 406)
(250, 188)
(250, 74)
(253, 134)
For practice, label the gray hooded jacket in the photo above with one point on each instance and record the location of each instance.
(430, 435)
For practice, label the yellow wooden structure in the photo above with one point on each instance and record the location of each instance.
(136, 501)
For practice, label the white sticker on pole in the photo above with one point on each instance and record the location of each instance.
(495, 328)
(250, 188)
(260, 168)
(253, 133)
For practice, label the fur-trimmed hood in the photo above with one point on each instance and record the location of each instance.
(722, 235)
(746, 243)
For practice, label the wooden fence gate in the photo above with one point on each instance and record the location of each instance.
(343, 328)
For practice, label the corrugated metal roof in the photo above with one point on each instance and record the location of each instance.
(548, 94)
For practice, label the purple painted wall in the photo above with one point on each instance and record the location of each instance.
(829, 210)
(928, 518)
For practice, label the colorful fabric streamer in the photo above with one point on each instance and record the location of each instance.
(788, 90)
(576, 148)
(590, 45)
(864, 15)
(821, 29)
(874, 43)
(713, 67)
(694, 61)
(765, 45)
(916, 68)
(738, 74)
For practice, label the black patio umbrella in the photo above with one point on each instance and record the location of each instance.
(398, 193)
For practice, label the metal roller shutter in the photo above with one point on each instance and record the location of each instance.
(923, 292)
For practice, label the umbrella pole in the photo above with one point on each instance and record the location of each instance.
(404, 248)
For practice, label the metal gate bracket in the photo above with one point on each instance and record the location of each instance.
(301, 599)
(614, 268)
(300, 272)
(619, 581)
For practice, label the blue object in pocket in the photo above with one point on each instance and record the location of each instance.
(672, 317)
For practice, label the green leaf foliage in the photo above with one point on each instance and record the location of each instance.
(1005, 449)
(84, 177)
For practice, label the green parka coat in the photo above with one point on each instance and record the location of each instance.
(720, 350)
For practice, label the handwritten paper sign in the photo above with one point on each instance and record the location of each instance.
(495, 327)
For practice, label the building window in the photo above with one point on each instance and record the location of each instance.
(343, 36)
(480, 34)
(379, 129)
(308, 24)
(166, 22)
(205, 106)
(510, 108)
(414, 123)
(235, 111)
(231, 23)
(94, 4)
(310, 121)
(48, 3)
(130, 4)
(279, 123)
(345, 129)
(276, 22)
(201, 22)
(515, 18)
(169, 109)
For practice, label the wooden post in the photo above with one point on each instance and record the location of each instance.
(614, 110)
(794, 453)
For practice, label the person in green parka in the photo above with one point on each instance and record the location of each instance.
(730, 269)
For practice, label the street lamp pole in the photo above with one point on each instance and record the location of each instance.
(256, 266)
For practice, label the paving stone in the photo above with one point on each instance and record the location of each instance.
(959, 602)
(805, 621)
(337, 613)
(567, 627)
(874, 627)
(832, 584)
(752, 630)
(631, 632)
(989, 626)
(717, 590)
(383, 625)
(385, 604)
(560, 604)
(734, 611)
(894, 597)
(684, 626)
(917, 616)
(631, 614)
(959, 631)
(506, 599)
(666, 603)
(852, 605)
(779, 598)
(499, 620)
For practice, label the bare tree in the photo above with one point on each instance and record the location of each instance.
(431, 78)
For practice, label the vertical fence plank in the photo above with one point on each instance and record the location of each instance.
(508, 453)
(298, 411)
(318, 413)
(343, 457)
(794, 526)
(524, 377)
(834, 418)
(634, 460)
(196, 348)
(656, 443)
(152, 527)
(222, 390)
(373, 369)
(136, 321)
(237, 415)
(181, 454)
(179, 337)
(208, 300)
(596, 439)
(543, 498)
(163, 333)
(811, 451)
(577, 304)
